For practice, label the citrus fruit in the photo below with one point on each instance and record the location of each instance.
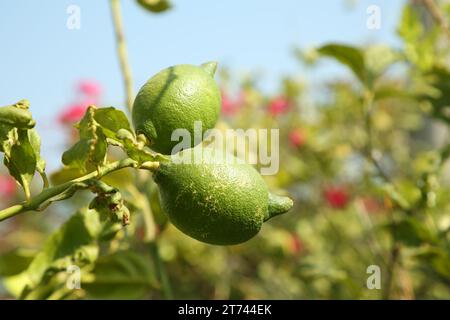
(216, 202)
(175, 98)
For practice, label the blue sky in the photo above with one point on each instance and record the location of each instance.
(41, 59)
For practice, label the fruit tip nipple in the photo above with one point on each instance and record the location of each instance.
(210, 67)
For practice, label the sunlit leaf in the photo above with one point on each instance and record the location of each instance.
(111, 121)
(92, 146)
(71, 244)
(65, 174)
(16, 117)
(418, 39)
(411, 232)
(35, 141)
(439, 79)
(135, 150)
(392, 92)
(21, 160)
(437, 258)
(5, 134)
(15, 261)
(352, 57)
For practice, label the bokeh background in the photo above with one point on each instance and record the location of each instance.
(364, 160)
(46, 59)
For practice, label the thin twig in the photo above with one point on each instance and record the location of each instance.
(144, 206)
(394, 252)
(122, 53)
(35, 203)
(161, 270)
(368, 112)
(437, 15)
(394, 257)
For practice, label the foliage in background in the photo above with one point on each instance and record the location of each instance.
(366, 165)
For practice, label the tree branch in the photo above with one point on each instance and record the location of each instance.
(437, 15)
(36, 202)
(122, 52)
(393, 260)
(394, 252)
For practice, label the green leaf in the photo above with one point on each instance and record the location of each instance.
(120, 178)
(411, 232)
(395, 196)
(15, 261)
(439, 97)
(122, 275)
(436, 258)
(5, 135)
(159, 215)
(109, 204)
(419, 41)
(155, 6)
(111, 120)
(378, 58)
(427, 162)
(35, 141)
(139, 154)
(352, 57)
(135, 150)
(73, 243)
(79, 154)
(392, 92)
(21, 160)
(16, 117)
(92, 146)
(410, 28)
(65, 174)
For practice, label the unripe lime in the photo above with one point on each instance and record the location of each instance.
(173, 99)
(216, 202)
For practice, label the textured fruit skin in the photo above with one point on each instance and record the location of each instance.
(222, 204)
(175, 98)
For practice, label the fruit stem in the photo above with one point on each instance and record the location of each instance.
(278, 205)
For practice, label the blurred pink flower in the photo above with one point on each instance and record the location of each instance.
(73, 113)
(278, 106)
(297, 137)
(337, 197)
(229, 106)
(90, 88)
(7, 186)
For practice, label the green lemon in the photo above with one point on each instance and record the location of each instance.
(216, 202)
(175, 98)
